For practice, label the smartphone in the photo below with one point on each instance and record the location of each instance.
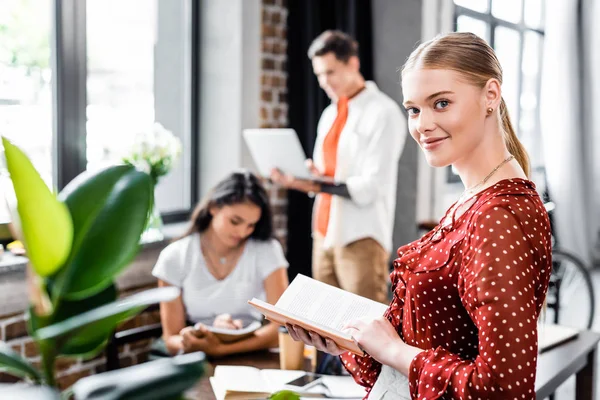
(305, 381)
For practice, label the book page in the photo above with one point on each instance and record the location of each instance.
(240, 379)
(327, 305)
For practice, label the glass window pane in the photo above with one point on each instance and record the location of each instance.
(507, 45)
(476, 5)
(139, 73)
(508, 10)
(529, 127)
(534, 13)
(25, 79)
(473, 25)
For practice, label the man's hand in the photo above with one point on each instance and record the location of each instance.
(291, 182)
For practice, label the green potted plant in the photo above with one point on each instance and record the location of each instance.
(77, 243)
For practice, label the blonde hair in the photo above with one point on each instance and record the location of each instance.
(476, 61)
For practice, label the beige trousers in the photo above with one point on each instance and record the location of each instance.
(360, 267)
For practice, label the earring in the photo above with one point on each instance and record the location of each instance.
(490, 110)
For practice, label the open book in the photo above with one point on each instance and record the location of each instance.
(241, 382)
(321, 308)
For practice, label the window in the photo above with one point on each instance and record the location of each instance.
(75, 90)
(514, 28)
(25, 79)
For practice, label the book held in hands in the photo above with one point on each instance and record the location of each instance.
(321, 308)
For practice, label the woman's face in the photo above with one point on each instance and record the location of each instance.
(446, 115)
(235, 223)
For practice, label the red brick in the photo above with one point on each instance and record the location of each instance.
(70, 379)
(265, 16)
(269, 2)
(31, 349)
(15, 330)
(126, 361)
(266, 95)
(7, 378)
(63, 363)
(283, 97)
(264, 113)
(142, 357)
(276, 17)
(141, 344)
(269, 31)
(268, 64)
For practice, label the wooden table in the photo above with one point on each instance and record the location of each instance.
(555, 366)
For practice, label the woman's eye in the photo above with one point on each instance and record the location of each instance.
(412, 111)
(235, 223)
(441, 104)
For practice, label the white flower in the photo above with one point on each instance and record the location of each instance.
(154, 150)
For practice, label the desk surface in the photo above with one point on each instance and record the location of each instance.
(559, 363)
(554, 366)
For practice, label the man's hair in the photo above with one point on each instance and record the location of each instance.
(342, 45)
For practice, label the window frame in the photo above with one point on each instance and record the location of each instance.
(521, 28)
(69, 94)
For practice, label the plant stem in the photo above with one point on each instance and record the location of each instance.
(48, 358)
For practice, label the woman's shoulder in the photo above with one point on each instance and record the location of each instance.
(182, 245)
(515, 199)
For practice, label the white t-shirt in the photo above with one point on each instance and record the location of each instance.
(182, 264)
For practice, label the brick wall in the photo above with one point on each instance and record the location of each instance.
(273, 114)
(273, 101)
(13, 331)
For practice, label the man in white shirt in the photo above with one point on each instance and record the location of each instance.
(360, 137)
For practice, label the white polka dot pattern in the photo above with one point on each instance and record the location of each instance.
(469, 294)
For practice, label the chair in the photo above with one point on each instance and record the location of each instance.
(132, 335)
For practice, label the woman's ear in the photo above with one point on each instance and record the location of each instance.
(493, 94)
(213, 210)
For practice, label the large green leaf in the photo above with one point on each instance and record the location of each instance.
(45, 222)
(103, 318)
(109, 210)
(156, 380)
(86, 344)
(13, 364)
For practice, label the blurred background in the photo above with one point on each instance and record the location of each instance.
(79, 78)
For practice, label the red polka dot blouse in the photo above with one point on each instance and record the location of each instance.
(469, 294)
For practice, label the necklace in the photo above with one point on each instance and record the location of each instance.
(469, 191)
(207, 246)
(449, 219)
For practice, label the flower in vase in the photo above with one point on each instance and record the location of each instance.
(154, 150)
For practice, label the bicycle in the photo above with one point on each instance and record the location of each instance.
(571, 297)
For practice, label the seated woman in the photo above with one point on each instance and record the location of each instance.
(226, 257)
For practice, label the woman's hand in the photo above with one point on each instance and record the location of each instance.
(314, 339)
(225, 321)
(199, 338)
(379, 339)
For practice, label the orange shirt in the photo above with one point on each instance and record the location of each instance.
(330, 145)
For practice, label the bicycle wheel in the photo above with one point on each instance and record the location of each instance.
(570, 293)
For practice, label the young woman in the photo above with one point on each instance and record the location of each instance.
(227, 257)
(462, 323)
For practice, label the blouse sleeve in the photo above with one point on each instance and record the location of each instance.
(170, 266)
(502, 285)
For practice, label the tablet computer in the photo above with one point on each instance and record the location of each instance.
(279, 148)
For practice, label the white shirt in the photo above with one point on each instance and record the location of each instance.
(182, 264)
(368, 153)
